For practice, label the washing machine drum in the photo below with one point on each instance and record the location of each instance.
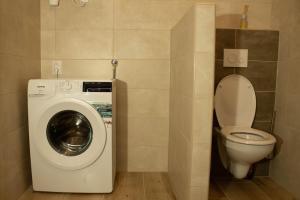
(70, 134)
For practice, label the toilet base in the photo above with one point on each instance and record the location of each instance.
(239, 170)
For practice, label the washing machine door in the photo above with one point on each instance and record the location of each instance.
(70, 134)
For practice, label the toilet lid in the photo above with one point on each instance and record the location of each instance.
(235, 101)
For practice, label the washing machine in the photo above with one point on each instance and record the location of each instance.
(72, 135)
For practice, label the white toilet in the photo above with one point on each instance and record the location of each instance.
(239, 145)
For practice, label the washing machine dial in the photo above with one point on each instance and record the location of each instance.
(67, 86)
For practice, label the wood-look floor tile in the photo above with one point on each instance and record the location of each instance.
(31, 195)
(273, 190)
(157, 187)
(242, 190)
(215, 193)
(84, 197)
(130, 179)
(129, 186)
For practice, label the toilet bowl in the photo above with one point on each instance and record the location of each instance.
(239, 145)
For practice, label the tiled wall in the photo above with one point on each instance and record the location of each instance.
(261, 71)
(137, 32)
(228, 13)
(285, 167)
(191, 102)
(19, 61)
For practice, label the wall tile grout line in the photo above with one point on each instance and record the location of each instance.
(144, 188)
(262, 61)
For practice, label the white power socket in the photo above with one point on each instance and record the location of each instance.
(57, 67)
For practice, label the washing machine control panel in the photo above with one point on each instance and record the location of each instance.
(91, 89)
(40, 88)
(68, 86)
(97, 87)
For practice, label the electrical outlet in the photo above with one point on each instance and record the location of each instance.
(56, 67)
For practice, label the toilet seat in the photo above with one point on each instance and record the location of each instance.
(246, 135)
(235, 101)
(235, 106)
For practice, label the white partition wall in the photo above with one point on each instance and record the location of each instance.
(191, 102)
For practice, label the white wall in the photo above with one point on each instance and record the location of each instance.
(191, 102)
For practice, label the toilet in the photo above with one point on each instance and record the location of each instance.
(239, 145)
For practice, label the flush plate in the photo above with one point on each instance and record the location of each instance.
(235, 58)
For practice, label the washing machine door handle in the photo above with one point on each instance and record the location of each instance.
(70, 134)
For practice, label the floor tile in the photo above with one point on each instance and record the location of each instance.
(272, 189)
(128, 186)
(31, 195)
(242, 190)
(215, 193)
(157, 187)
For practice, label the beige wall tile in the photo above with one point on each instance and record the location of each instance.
(29, 12)
(19, 61)
(146, 74)
(138, 158)
(283, 167)
(191, 103)
(9, 73)
(142, 44)
(80, 69)
(184, 76)
(14, 73)
(47, 16)
(205, 20)
(97, 14)
(292, 82)
(154, 15)
(260, 16)
(12, 39)
(228, 13)
(179, 168)
(16, 115)
(199, 193)
(202, 120)
(200, 164)
(143, 102)
(204, 74)
(183, 48)
(183, 121)
(47, 44)
(145, 131)
(83, 44)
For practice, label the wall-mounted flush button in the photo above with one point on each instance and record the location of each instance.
(235, 58)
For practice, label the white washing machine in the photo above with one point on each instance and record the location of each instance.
(72, 135)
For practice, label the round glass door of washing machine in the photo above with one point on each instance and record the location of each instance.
(69, 133)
